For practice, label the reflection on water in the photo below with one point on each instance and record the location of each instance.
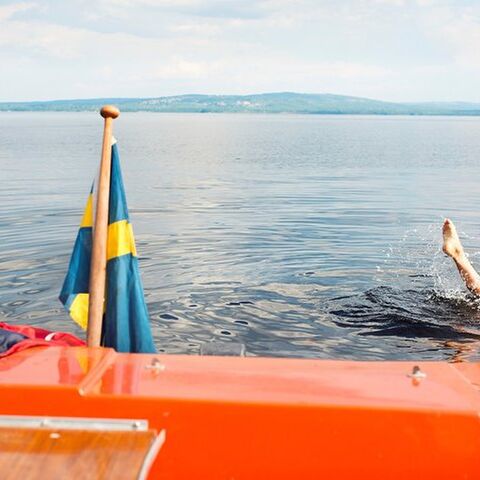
(306, 236)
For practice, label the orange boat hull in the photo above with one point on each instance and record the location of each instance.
(258, 418)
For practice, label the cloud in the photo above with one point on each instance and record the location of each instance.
(395, 3)
(425, 3)
(43, 39)
(148, 48)
(178, 68)
(8, 11)
(197, 28)
(201, 8)
(152, 3)
(463, 35)
(457, 30)
(343, 70)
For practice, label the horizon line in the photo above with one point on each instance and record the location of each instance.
(239, 95)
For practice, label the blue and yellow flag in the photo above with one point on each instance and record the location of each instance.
(126, 326)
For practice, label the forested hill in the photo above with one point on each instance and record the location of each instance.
(258, 103)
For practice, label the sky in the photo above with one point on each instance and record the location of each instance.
(396, 50)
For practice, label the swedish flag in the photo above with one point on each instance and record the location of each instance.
(126, 326)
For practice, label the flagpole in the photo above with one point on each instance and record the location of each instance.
(98, 262)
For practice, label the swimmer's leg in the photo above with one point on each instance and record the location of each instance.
(453, 248)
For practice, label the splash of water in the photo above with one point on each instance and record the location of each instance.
(417, 261)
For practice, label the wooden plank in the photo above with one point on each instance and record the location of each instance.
(30, 453)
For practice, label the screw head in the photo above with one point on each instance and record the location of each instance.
(417, 373)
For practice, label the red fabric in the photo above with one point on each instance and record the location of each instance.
(37, 338)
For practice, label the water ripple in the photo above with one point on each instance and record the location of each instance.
(295, 236)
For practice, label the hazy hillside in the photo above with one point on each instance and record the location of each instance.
(259, 103)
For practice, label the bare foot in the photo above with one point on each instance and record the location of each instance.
(451, 243)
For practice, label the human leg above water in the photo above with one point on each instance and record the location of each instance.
(454, 249)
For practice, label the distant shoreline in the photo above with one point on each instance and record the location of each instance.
(265, 103)
(320, 114)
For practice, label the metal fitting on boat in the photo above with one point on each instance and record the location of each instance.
(417, 373)
(156, 366)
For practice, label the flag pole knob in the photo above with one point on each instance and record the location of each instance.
(109, 111)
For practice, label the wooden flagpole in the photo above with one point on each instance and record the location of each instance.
(98, 262)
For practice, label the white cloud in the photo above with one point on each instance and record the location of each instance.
(395, 3)
(182, 69)
(45, 39)
(151, 3)
(346, 70)
(351, 47)
(197, 28)
(463, 34)
(425, 3)
(8, 11)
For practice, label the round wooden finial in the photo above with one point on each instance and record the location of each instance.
(109, 111)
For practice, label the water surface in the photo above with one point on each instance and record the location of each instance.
(299, 236)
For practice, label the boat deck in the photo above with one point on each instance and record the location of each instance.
(39, 453)
(247, 418)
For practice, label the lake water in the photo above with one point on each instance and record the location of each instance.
(298, 236)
